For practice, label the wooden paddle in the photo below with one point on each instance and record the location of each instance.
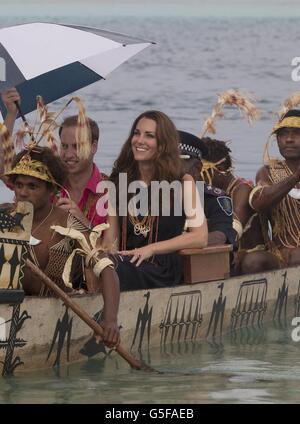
(133, 362)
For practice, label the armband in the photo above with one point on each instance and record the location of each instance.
(237, 226)
(101, 265)
(253, 192)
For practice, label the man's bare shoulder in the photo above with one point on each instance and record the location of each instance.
(243, 186)
(263, 175)
(240, 198)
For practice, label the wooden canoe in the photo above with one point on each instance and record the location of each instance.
(41, 332)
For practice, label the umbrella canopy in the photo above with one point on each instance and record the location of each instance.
(54, 60)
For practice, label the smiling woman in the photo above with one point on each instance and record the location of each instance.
(144, 142)
(147, 242)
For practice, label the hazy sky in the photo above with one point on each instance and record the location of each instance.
(204, 8)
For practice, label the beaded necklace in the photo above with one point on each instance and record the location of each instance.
(286, 215)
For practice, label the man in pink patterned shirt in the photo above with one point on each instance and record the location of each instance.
(83, 175)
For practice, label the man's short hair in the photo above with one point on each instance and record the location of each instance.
(216, 151)
(72, 121)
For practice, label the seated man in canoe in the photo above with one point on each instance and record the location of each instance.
(35, 176)
(217, 170)
(217, 205)
(277, 195)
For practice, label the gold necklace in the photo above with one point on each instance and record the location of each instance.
(286, 215)
(294, 192)
(44, 220)
(141, 227)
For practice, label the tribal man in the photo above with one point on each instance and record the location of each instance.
(35, 176)
(217, 170)
(277, 195)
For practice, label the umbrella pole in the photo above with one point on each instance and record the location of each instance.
(20, 112)
(133, 362)
(24, 119)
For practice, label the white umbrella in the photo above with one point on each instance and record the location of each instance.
(53, 60)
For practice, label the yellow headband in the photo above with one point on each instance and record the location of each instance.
(289, 122)
(32, 168)
(208, 167)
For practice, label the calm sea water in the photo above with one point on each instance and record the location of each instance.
(201, 50)
(195, 58)
(251, 366)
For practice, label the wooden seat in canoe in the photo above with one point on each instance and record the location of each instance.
(208, 264)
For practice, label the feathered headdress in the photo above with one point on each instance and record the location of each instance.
(42, 132)
(231, 97)
(290, 103)
(83, 131)
(8, 148)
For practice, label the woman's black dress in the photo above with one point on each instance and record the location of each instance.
(163, 270)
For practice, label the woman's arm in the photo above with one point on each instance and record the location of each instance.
(110, 238)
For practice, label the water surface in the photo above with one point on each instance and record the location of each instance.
(250, 366)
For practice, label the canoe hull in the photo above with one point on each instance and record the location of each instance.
(42, 332)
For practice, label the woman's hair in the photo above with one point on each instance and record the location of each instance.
(166, 163)
(46, 156)
(217, 150)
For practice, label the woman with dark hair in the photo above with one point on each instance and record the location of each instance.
(148, 240)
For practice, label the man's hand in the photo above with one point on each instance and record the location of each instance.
(70, 206)
(9, 97)
(111, 334)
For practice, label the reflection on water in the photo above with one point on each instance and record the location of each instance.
(255, 364)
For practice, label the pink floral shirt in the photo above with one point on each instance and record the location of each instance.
(89, 199)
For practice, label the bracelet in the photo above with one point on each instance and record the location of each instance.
(101, 265)
(237, 226)
(253, 192)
